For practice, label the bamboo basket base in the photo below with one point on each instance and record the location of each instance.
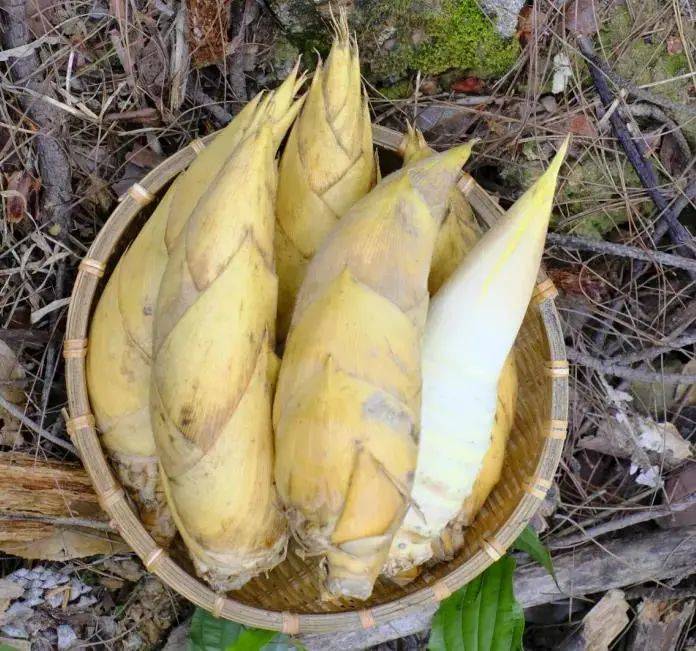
(290, 597)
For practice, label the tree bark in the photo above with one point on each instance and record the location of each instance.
(48, 510)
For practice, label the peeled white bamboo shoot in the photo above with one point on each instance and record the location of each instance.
(472, 323)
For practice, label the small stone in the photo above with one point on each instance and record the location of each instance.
(84, 602)
(505, 13)
(77, 588)
(429, 86)
(14, 630)
(34, 593)
(50, 582)
(674, 45)
(108, 626)
(10, 589)
(549, 103)
(55, 598)
(66, 636)
(18, 612)
(389, 44)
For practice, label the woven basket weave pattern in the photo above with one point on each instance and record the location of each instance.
(289, 598)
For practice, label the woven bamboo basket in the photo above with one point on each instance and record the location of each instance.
(288, 599)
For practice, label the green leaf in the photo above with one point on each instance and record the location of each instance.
(253, 639)
(482, 616)
(528, 542)
(209, 633)
(518, 627)
(7, 647)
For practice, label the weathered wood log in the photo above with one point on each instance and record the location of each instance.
(601, 625)
(622, 561)
(48, 510)
(659, 624)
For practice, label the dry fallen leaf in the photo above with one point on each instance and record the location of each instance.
(562, 73)
(581, 17)
(672, 156)
(442, 122)
(144, 157)
(685, 394)
(11, 378)
(577, 283)
(21, 188)
(678, 488)
(649, 445)
(674, 45)
(42, 16)
(580, 125)
(467, 85)
(529, 22)
(208, 22)
(57, 543)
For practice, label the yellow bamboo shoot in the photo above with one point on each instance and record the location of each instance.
(346, 411)
(327, 165)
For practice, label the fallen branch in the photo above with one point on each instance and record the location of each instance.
(609, 367)
(13, 410)
(648, 354)
(219, 114)
(623, 522)
(621, 250)
(644, 169)
(626, 560)
(678, 204)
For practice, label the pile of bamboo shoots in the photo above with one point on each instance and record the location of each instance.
(376, 438)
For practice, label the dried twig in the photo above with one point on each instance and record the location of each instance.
(678, 205)
(651, 353)
(621, 250)
(30, 424)
(199, 98)
(623, 522)
(638, 375)
(643, 167)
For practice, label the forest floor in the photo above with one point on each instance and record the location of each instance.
(95, 93)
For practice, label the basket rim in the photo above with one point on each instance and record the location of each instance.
(112, 498)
